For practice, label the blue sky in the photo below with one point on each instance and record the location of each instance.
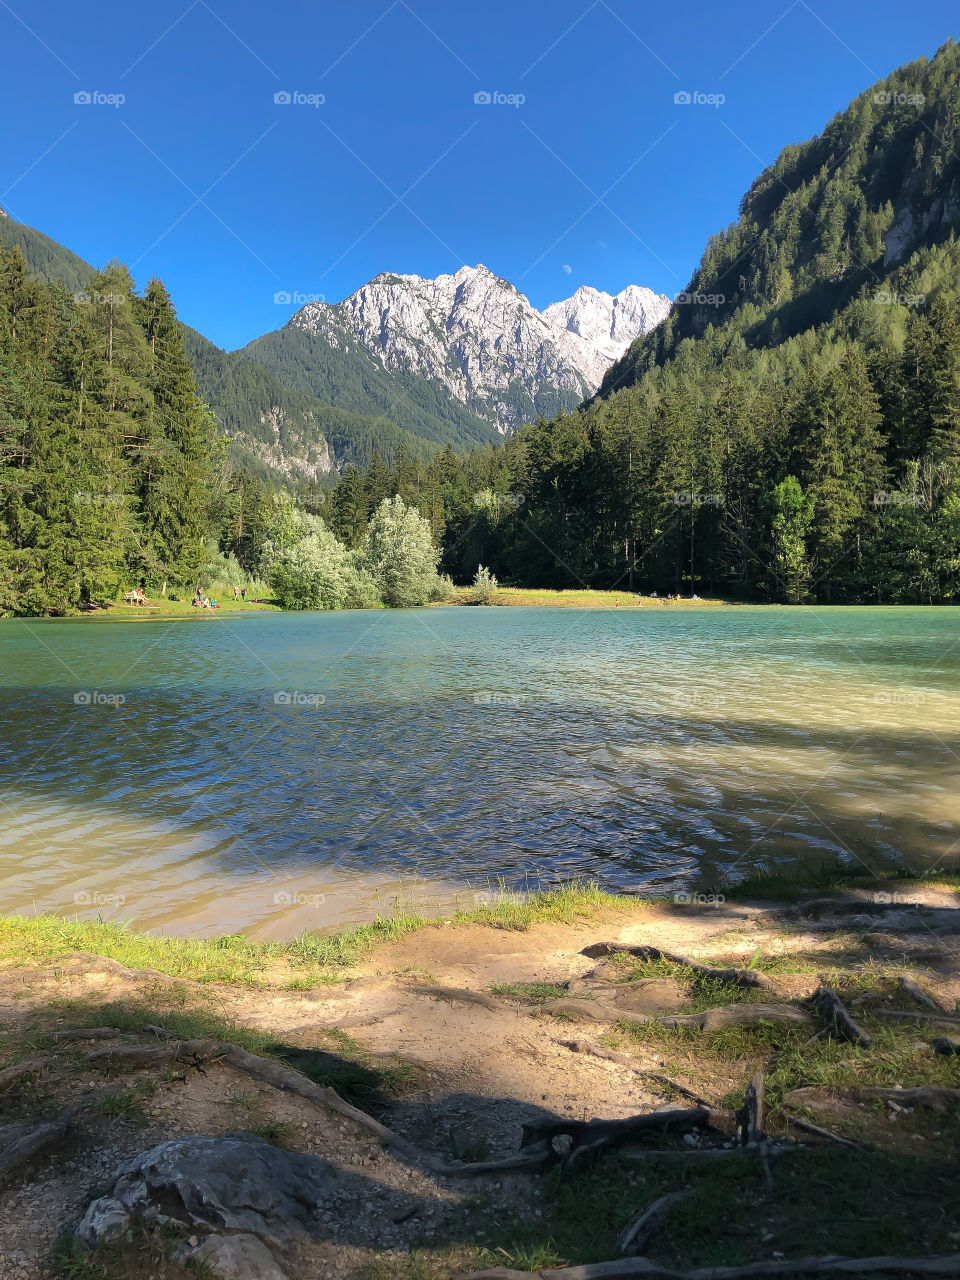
(597, 177)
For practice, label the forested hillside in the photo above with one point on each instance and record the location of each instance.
(793, 431)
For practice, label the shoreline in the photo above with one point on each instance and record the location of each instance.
(407, 1054)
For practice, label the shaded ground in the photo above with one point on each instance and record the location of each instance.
(459, 1077)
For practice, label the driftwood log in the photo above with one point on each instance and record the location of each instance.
(741, 977)
(829, 1004)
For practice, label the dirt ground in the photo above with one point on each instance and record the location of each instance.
(473, 1072)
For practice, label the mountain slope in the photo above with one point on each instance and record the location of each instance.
(275, 430)
(461, 358)
(830, 218)
(47, 260)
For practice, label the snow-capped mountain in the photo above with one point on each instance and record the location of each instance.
(483, 341)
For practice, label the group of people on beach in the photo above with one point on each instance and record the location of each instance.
(659, 599)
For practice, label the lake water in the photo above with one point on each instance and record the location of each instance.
(268, 773)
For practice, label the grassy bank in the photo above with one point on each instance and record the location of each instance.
(585, 599)
(311, 957)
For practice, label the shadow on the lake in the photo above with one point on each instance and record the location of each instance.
(545, 790)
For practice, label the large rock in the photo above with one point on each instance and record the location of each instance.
(237, 1183)
(232, 1258)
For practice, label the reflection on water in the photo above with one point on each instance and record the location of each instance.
(270, 773)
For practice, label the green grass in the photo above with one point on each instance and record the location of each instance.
(309, 958)
(576, 599)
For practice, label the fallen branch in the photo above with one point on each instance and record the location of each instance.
(929, 1096)
(10, 1075)
(594, 1135)
(644, 1225)
(927, 1264)
(741, 977)
(830, 1005)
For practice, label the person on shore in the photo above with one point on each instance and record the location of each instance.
(236, 594)
(243, 593)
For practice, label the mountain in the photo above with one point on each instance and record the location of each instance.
(791, 430)
(608, 325)
(276, 431)
(47, 260)
(832, 219)
(461, 358)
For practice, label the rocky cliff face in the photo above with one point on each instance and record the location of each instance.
(482, 340)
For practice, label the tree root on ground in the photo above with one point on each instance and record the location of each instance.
(644, 1225)
(829, 1004)
(740, 977)
(928, 1264)
(19, 1153)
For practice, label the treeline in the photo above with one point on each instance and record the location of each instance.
(111, 471)
(825, 470)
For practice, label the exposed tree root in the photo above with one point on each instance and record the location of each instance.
(829, 1004)
(644, 1225)
(92, 1033)
(458, 993)
(592, 1010)
(913, 988)
(735, 1015)
(947, 1019)
(740, 977)
(10, 1075)
(19, 1153)
(929, 1264)
(807, 1127)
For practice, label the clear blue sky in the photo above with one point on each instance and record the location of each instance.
(598, 178)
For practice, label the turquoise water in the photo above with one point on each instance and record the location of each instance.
(273, 772)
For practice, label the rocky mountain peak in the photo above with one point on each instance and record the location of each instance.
(484, 341)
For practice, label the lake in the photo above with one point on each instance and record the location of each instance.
(268, 773)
